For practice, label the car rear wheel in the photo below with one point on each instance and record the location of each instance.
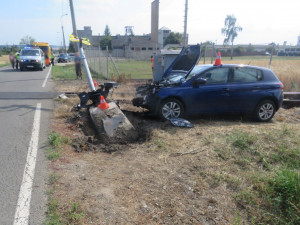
(265, 111)
(171, 108)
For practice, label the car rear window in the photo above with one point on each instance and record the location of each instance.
(242, 74)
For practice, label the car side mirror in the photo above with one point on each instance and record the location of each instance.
(198, 82)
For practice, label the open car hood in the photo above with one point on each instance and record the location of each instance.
(185, 61)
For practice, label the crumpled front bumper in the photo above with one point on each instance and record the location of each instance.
(150, 102)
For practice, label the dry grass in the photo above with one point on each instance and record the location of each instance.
(4, 59)
(205, 175)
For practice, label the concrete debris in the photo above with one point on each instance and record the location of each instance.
(62, 96)
(112, 125)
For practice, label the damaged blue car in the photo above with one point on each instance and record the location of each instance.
(189, 89)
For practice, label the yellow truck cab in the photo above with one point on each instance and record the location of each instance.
(46, 49)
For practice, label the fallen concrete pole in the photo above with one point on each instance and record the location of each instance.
(112, 125)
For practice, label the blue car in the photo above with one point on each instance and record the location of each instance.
(188, 89)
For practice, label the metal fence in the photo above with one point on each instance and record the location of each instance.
(100, 62)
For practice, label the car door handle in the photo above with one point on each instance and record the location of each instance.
(225, 89)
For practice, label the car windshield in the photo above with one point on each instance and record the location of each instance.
(176, 78)
(30, 52)
(63, 55)
(197, 70)
(44, 48)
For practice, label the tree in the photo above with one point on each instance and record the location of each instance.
(71, 47)
(106, 39)
(271, 48)
(27, 40)
(250, 48)
(239, 50)
(230, 30)
(173, 38)
(107, 31)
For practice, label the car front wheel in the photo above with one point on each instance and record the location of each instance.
(265, 111)
(171, 108)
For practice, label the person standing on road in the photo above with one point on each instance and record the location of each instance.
(17, 54)
(12, 59)
(52, 59)
(78, 66)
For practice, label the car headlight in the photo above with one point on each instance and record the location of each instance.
(21, 60)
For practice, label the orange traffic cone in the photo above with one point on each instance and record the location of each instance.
(218, 60)
(95, 83)
(103, 105)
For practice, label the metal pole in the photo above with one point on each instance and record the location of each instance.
(86, 67)
(212, 53)
(204, 54)
(62, 28)
(107, 69)
(185, 24)
(114, 64)
(63, 33)
(79, 46)
(99, 60)
(271, 54)
(74, 24)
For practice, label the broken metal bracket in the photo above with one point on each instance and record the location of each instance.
(95, 96)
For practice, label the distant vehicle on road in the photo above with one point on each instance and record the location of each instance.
(32, 58)
(63, 57)
(46, 49)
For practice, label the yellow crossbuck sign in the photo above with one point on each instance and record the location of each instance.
(76, 39)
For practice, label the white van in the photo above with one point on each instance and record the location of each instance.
(32, 58)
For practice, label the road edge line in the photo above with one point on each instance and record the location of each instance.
(46, 78)
(23, 205)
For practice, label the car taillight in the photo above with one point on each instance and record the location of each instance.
(280, 85)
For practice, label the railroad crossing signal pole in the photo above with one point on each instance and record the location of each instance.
(86, 67)
(79, 46)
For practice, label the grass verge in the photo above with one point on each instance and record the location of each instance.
(56, 142)
(269, 161)
(59, 214)
(4, 64)
(68, 72)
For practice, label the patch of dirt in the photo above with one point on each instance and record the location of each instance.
(169, 175)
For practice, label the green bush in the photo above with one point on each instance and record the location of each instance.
(284, 195)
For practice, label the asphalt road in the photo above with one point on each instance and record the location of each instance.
(24, 128)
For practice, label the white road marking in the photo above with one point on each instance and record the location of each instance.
(46, 78)
(23, 205)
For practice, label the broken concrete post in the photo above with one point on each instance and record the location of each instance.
(112, 125)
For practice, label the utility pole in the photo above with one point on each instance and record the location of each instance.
(74, 23)
(273, 46)
(63, 33)
(62, 28)
(185, 24)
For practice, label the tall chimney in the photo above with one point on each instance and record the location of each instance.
(154, 20)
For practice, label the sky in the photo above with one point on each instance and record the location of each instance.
(263, 21)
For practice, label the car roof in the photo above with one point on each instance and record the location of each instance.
(233, 65)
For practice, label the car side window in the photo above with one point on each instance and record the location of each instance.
(216, 76)
(246, 75)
